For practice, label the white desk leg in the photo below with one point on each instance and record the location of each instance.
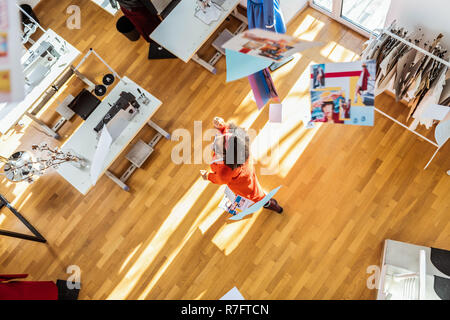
(132, 168)
(434, 155)
(43, 125)
(239, 16)
(117, 180)
(84, 78)
(159, 129)
(204, 64)
(59, 124)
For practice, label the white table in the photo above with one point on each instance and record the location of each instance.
(11, 113)
(183, 34)
(84, 141)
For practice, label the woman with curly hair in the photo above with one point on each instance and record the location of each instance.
(232, 165)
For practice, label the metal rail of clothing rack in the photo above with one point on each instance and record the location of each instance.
(444, 62)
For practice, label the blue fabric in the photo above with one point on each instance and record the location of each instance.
(261, 14)
(265, 14)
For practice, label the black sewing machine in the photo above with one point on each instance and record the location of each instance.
(126, 101)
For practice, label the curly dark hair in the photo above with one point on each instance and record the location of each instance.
(237, 151)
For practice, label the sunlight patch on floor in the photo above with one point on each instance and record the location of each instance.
(146, 258)
(130, 256)
(231, 234)
(213, 210)
(175, 252)
(308, 29)
(337, 53)
(248, 106)
(200, 295)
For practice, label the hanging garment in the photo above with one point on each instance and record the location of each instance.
(388, 60)
(432, 97)
(403, 68)
(429, 75)
(143, 17)
(382, 85)
(410, 86)
(372, 46)
(445, 96)
(264, 14)
(386, 74)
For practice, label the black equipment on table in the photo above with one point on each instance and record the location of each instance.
(124, 102)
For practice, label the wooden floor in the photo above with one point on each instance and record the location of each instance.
(345, 188)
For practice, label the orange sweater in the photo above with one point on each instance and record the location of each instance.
(242, 181)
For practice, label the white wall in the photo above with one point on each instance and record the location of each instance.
(291, 8)
(433, 16)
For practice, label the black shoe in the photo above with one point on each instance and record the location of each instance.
(274, 206)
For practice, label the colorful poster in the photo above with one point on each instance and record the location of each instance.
(343, 93)
(256, 206)
(234, 204)
(3, 45)
(267, 44)
(11, 75)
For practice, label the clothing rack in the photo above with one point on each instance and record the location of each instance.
(412, 45)
(444, 62)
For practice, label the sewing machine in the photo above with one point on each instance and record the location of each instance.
(120, 114)
(39, 64)
(44, 65)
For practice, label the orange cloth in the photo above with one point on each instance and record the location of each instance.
(242, 181)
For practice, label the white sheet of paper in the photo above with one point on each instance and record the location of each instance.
(100, 155)
(256, 206)
(435, 112)
(276, 113)
(233, 294)
(229, 197)
(442, 132)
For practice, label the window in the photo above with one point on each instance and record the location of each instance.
(324, 4)
(364, 16)
(368, 14)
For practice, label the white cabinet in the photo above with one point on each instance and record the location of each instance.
(411, 272)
